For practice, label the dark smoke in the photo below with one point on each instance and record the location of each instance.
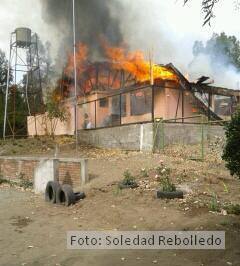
(93, 21)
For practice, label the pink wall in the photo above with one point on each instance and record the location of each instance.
(166, 101)
(41, 125)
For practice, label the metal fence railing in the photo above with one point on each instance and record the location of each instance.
(131, 107)
(196, 135)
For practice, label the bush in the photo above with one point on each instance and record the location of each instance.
(164, 174)
(233, 209)
(214, 204)
(25, 182)
(129, 179)
(167, 185)
(231, 153)
(144, 173)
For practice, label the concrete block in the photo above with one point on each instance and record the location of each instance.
(44, 172)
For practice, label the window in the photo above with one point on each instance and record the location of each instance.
(103, 102)
(141, 102)
(123, 105)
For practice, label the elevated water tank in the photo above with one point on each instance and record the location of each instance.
(23, 37)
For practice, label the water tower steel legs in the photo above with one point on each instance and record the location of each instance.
(22, 42)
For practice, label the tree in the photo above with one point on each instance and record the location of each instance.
(208, 9)
(3, 83)
(231, 152)
(35, 81)
(56, 111)
(16, 103)
(221, 49)
(3, 69)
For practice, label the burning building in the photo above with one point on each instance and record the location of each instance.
(125, 89)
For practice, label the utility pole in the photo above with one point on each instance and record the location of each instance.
(7, 90)
(75, 76)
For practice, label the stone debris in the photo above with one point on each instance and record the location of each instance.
(224, 212)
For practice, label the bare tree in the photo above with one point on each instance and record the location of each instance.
(207, 8)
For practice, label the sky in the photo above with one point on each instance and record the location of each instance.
(167, 27)
(169, 16)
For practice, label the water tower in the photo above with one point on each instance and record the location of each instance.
(24, 76)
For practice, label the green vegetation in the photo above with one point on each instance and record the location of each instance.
(214, 204)
(25, 182)
(167, 185)
(231, 153)
(233, 209)
(221, 49)
(129, 179)
(144, 173)
(164, 179)
(56, 111)
(6, 181)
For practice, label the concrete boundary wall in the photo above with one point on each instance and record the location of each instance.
(127, 137)
(40, 170)
(140, 137)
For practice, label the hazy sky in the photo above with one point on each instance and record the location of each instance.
(162, 22)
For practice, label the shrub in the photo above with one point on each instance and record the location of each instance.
(6, 181)
(231, 153)
(167, 185)
(214, 204)
(144, 173)
(25, 182)
(233, 209)
(164, 173)
(129, 179)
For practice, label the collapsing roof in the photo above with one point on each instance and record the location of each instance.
(110, 78)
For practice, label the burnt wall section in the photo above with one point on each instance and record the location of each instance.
(70, 171)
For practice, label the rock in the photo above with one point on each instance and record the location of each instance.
(154, 261)
(223, 212)
(123, 259)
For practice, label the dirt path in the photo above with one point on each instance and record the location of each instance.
(33, 232)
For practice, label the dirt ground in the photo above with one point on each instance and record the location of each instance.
(33, 232)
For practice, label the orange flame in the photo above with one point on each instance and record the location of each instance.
(81, 56)
(119, 58)
(134, 63)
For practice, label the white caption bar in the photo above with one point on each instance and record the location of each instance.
(146, 240)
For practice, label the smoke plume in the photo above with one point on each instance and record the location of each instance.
(93, 22)
(147, 25)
